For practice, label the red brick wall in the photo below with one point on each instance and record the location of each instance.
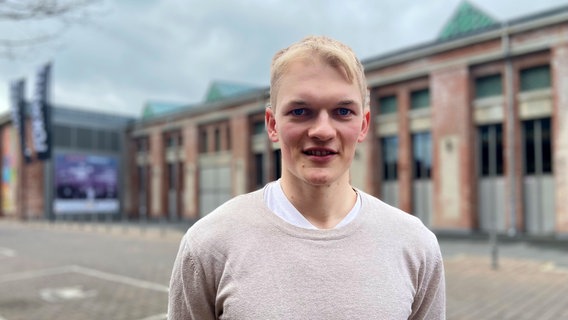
(404, 151)
(240, 142)
(191, 151)
(157, 174)
(559, 68)
(11, 205)
(34, 189)
(452, 118)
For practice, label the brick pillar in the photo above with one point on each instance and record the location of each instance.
(516, 145)
(453, 150)
(404, 151)
(240, 150)
(372, 153)
(559, 67)
(35, 201)
(191, 189)
(12, 197)
(157, 174)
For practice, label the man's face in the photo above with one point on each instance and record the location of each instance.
(318, 120)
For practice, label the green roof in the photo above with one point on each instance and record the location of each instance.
(154, 109)
(466, 19)
(219, 90)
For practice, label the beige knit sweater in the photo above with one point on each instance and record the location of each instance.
(243, 262)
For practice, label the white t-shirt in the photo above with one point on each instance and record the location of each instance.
(277, 201)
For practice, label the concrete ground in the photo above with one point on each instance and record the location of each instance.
(121, 271)
(530, 281)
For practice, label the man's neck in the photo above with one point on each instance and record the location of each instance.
(323, 206)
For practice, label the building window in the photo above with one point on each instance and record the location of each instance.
(488, 86)
(537, 146)
(228, 137)
(203, 140)
(115, 141)
(389, 151)
(171, 141)
(535, 78)
(422, 154)
(420, 99)
(217, 139)
(84, 138)
(491, 150)
(258, 127)
(172, 174)
(277, 164)
(142, 144)
(103, 139)
(388, 105)
(62, 136)
(259, 170)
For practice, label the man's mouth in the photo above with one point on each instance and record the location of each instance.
(318, 152)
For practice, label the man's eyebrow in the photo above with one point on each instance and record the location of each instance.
(297, 103)
(346, 102)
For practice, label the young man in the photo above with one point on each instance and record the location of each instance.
(310, 246)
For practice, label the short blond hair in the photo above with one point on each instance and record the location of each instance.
(328, 50)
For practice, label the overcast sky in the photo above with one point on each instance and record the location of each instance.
(133, 51)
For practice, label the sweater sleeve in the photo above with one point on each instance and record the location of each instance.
(192, 293)
(430, 300)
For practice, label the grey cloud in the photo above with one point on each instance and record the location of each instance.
(172, 49)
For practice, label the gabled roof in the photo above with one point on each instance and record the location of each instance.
(466, 19)
(548, 17)
(219, 90)
(154, 109)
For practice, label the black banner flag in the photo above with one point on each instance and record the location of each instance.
(18, 104)
(41, 114)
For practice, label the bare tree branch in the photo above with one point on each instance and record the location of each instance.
(22, 15)
(40, 9)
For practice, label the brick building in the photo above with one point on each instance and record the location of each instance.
(469, 131)
(83, 179)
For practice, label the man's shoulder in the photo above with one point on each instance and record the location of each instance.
(392, 220)
(229, 218)
(386, 212)
(233, 208)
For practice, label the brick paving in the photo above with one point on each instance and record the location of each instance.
(124, 270)
(518, 289)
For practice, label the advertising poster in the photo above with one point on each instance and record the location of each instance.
(9, 174)
(85, 184)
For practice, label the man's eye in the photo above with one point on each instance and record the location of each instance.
(344, 112)
(298, 112)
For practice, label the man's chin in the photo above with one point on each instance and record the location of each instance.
(319, 180)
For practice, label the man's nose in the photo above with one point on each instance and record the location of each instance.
(322, 128)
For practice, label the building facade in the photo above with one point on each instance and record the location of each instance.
(469, 132)
(82, 180)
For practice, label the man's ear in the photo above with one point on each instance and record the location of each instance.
(365, 125)
(270, 123)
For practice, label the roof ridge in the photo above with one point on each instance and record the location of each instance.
(467, 18)
(221, 89)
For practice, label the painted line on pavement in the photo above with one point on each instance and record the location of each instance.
(120, 279)
(87, 272)
(7, 252)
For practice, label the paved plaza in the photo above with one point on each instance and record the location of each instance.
(97, 271)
